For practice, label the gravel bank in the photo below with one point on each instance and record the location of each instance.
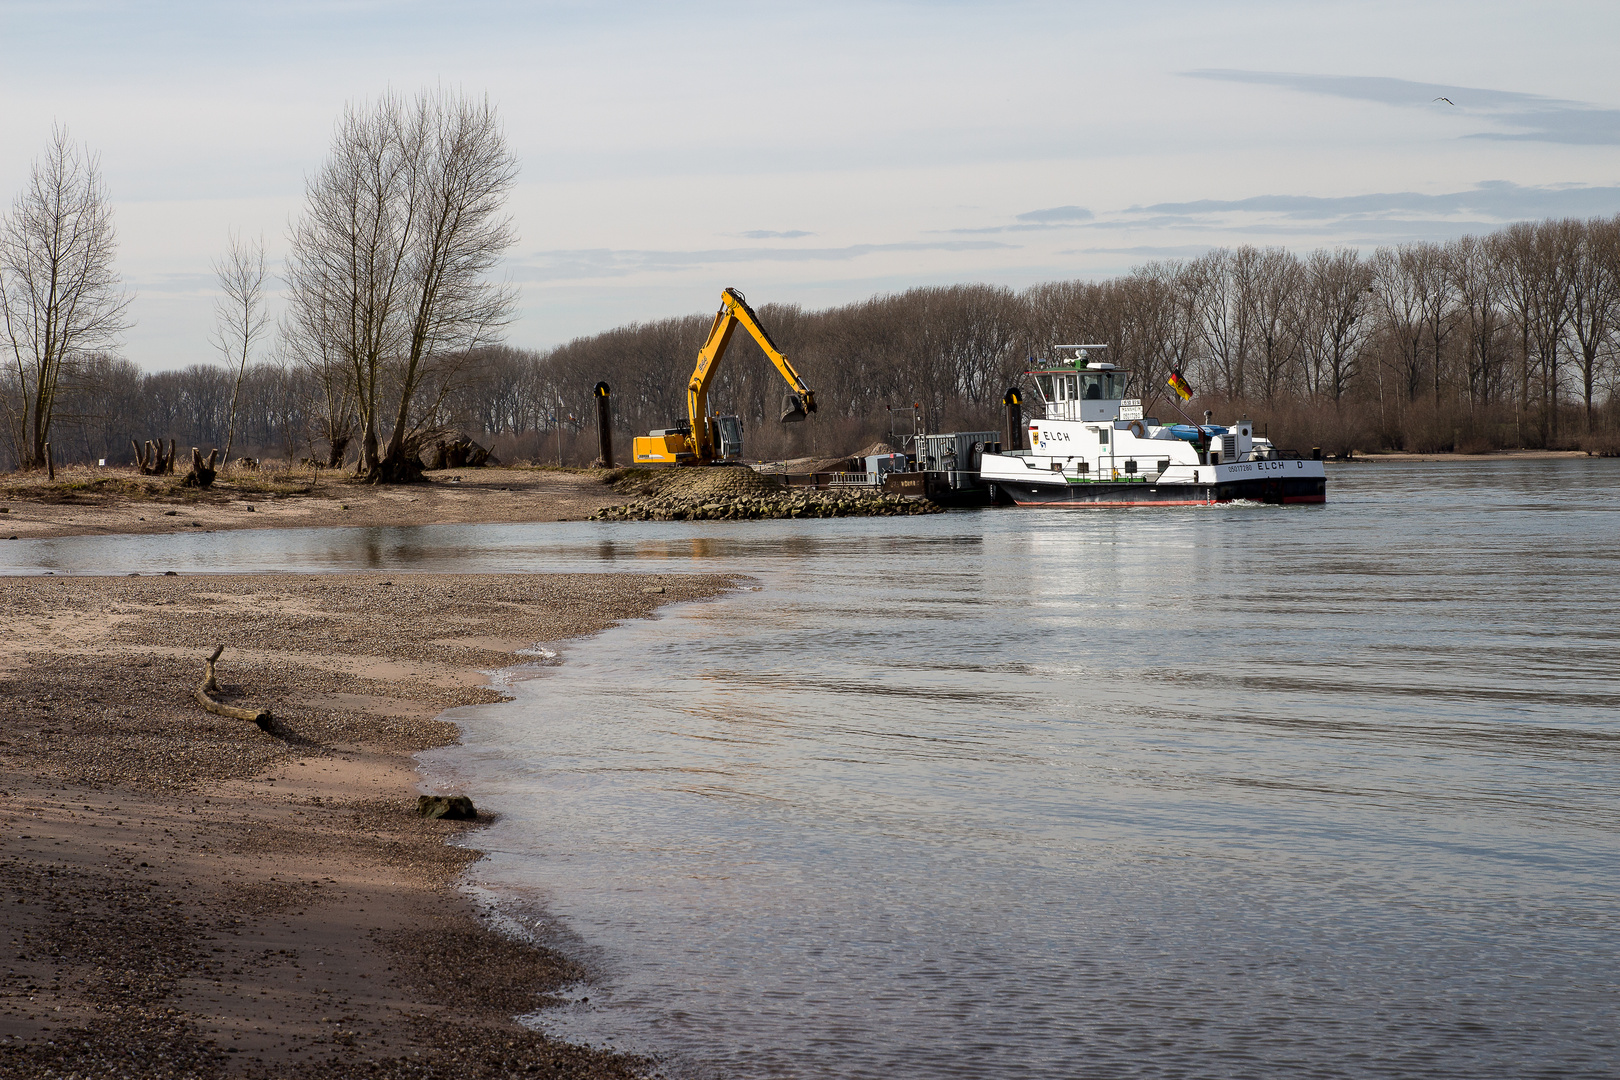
(184, 895)
(739, 494)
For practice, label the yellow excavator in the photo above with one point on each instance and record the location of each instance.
(707, 440)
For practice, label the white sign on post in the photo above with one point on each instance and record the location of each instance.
(1130, 409)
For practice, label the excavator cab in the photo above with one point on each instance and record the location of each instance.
(730, 432)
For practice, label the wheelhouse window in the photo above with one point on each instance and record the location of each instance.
(1059, 387)
(1102, 385)
(1085, 386)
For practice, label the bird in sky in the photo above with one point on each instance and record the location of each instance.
(1447, 100)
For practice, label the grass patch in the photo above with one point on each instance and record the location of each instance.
(95, 489)
(97, 486)
(286, 484)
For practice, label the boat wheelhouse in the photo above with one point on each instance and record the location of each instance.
(1092, 446)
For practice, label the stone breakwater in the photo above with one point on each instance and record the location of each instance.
(739, 494)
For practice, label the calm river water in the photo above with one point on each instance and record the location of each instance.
(1243, 791)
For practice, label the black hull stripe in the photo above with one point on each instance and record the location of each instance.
(1092, 495)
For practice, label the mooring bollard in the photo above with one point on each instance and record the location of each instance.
(604, 425)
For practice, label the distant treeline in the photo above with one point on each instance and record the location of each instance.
(1505, 340)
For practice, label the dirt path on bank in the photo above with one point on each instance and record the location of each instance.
(184, 895)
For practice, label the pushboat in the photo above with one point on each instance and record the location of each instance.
(1093, 447)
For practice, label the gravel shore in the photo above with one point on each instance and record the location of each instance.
(186, 895)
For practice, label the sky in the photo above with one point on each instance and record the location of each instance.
(819, 153)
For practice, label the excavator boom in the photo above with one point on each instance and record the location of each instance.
(734, 312)
(699, 443)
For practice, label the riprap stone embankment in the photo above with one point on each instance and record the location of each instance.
(741, 494)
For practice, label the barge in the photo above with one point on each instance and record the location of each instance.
(1094, 447)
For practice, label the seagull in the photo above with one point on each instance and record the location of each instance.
(1447, 100)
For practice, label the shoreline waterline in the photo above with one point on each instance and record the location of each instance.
(283, 902)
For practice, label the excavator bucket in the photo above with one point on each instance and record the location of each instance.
(792, 409)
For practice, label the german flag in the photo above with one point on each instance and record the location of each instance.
(1179, 385)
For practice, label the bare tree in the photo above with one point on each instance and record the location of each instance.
(1554, 255)
(1273, 300)
(1335, 295)
(1478, 283)
(388, 266)
(1399, 283)
(1435, 281)
(1512, 250)
(240, 319)
(1595, 300)
(59, 294)
(1221, 288)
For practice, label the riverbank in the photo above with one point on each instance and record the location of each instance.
(89, 501)
(187, 895)
(1494, 455)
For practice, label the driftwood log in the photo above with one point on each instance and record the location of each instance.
(151, 460)
(202, 472)
(208, 687)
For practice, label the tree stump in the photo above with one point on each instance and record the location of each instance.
(152, 461)
(202, 472)
(339, 446)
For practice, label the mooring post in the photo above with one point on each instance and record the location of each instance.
(604, 425)
(1015, 419)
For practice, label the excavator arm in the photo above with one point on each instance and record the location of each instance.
(734, 312)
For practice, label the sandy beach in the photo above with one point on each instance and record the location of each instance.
(186, 895)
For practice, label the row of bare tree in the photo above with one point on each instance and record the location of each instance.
(1500, 340)
(386, 281)
(392, 331)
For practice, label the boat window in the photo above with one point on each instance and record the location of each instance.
(1105, 386)
(1102, 436)
(1044, 382)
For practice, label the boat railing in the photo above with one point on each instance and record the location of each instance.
(952, 478)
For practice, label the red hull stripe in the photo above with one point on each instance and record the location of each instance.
(1104, 504)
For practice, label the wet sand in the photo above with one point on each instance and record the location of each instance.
(87, 501)
(187, 895)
